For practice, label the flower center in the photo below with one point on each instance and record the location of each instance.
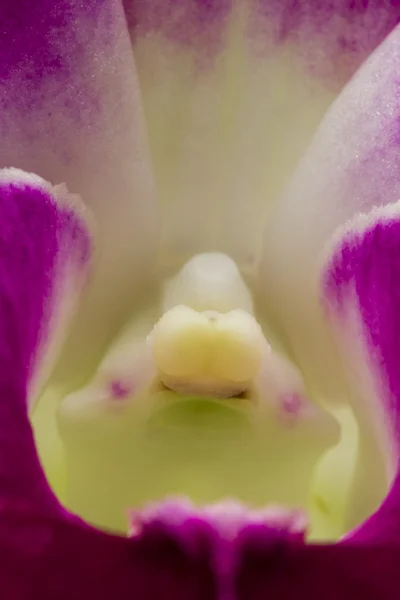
(194, 402)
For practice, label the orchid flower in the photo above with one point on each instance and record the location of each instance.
(202, 200)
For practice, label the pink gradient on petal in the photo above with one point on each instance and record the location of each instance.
(45, 251)
(199, 25)
(225, 524)
(331, 38)
(361, 295)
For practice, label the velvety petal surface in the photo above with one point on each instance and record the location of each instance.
(45, 252)
(44, 558)
(361, 289)
(313, 572)
(71, 111)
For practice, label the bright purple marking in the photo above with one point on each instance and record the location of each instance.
(120, 390)
(290, 407)
(44, 37)
(368, 263)
(41, 244)
(363, 277)
(292, 403)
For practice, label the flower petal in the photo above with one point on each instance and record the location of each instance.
(45, 251)
(227, 524)
(351, 165)
(232, 93)
(71, 111)
(43, 559)
(362, 294)
(315, 571)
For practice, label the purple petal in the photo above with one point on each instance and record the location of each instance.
(179, 552)
(253, 558)
(44, 256)
(361, 288)
(227, 527)
(70, 111)
(291, 572)
(43, 559)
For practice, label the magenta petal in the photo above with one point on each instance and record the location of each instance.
(253, 558)
(44, 255)
(179, 553)
(315, 572)
(44, 559)
(362, 296)
(70, 111)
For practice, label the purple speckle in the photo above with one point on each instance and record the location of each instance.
(292, 407)
(198, 25)
(291, 404)
(49, 51)
(332, 38)
(120, 390)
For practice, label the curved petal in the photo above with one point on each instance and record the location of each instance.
(233, 91)
(314, 572)
(228, 526)
(45, 250)
(351, 165)
(361, 292)
(71, 112)
(45, 559)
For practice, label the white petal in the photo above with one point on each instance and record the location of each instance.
(351, 165)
